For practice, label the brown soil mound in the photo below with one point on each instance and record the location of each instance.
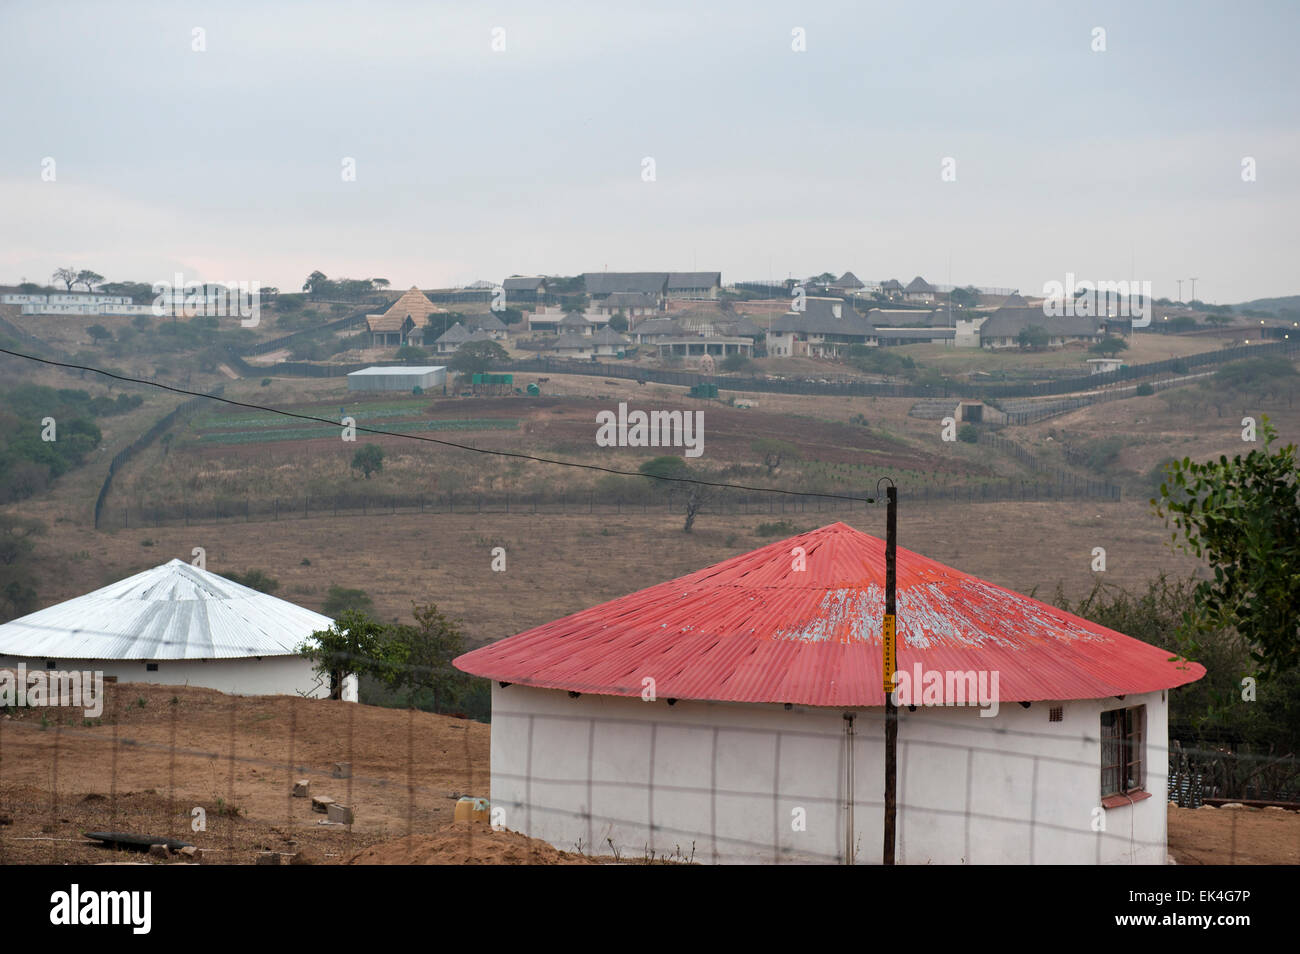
(466, 843)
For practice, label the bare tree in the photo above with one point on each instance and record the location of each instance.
(696, 498)
(66, 275)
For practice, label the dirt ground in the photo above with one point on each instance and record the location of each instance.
(467, 843)
(153, 760)
(1240, 836)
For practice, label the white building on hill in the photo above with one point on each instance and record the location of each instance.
(174, 625)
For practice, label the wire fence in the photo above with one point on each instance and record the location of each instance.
(1060, 485)
(124, 456)
(258, 778)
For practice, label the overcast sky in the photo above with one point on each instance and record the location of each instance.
(226, 164)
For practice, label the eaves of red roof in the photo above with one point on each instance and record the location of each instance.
(755, 628)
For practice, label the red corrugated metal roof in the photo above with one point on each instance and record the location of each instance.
(753, 629)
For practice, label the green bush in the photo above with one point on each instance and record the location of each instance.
(1145, 389)
(968, 434)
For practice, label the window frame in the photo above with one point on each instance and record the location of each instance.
(1124, 779)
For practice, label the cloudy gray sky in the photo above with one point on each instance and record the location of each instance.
(472, 164)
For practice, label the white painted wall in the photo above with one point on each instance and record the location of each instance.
(1014, 788)
(270, 675)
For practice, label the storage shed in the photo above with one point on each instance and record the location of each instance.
(740, 710)
(174, 625)
(397, 378)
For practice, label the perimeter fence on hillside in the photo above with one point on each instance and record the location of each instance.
(1060, 485)
(160, 426)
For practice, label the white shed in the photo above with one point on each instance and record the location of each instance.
(396, 378)
(740, 710)
(174, 625)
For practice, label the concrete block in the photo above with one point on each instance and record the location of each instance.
(189, 852)
(342, 769)
(302, 788)
(321, 803)
(340, 814)
(268, 857)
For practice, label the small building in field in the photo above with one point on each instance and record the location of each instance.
(173, 625)
(918, 289)
(570, 345)
(826, 328)
(739, 710)
(451, 339)
(1104, 365)
(631, 304)
(608, 343)
(703, 286)
(1004, 326)
(650, 330)
(575, 324)
(693, 349)
(494, 327)
(397, 378)
(524, 288)
(600, 285)
(891, 288)
(848, 283)
(403, 322)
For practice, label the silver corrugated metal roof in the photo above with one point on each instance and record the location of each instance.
(174, 611)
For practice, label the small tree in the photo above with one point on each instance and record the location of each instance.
(1243, 517)
(476, 357)
(968, 434)
(696, 498)
(618, 321)
(421, 655)
(352, 646)
(89, 279)
(1033, 338)
(99, 333)
(774, 452)
(409, 352)
(576, 304)
(1109, 347)
(368, 459)
(340, 599)
(665, 468)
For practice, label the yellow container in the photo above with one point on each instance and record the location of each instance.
(469, 808)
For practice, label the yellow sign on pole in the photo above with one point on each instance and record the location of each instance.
(890, 654)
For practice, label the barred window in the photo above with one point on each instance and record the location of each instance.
(1122, 750)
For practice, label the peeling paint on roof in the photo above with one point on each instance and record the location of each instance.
(754, 629)
(173, 611)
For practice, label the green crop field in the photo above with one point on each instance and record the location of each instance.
(325, 430)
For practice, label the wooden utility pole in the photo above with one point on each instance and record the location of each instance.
(890, 661)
